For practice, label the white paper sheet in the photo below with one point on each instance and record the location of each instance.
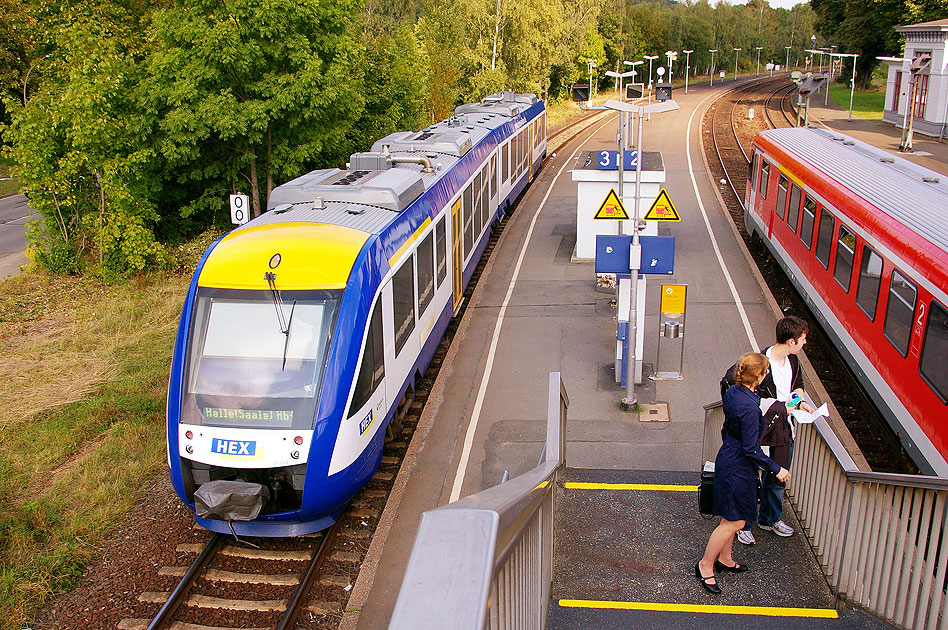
(804, 417)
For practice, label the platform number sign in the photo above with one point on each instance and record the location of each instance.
(609, 160)
(239, 209)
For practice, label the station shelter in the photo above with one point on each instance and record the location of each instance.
(927, 39)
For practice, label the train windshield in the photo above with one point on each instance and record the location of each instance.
(254, 362)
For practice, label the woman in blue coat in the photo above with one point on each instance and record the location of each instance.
(736, 469)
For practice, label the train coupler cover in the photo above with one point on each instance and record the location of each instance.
(230, 500)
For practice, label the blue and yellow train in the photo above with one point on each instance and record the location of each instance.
(304, 328)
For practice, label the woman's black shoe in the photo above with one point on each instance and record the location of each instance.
(711, 588)
(720, 567)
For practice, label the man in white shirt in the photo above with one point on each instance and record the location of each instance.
(783, 383)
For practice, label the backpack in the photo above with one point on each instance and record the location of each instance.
(728, 379)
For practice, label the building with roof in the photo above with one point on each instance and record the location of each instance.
(920, 71)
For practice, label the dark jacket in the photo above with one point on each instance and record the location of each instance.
(767, 388)
(777, 433)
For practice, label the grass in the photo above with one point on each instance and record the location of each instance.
(867, 104)
(82, 424)
(8, 186)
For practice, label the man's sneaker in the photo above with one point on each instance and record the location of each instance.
(745, 537)
(780, 528)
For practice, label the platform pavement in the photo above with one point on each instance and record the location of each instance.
(554, 319)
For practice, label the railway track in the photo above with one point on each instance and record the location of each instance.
(217, 582)
(729, 164)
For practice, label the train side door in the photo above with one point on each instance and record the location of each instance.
(456, 256)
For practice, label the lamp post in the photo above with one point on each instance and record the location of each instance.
(633, 365)
(758, 49)
(591, 63)
(787, 65)
(650, 58)
(687, 66)
(737, 53)
(632, 71)
(26, 79)
(712, 51)
(672, 55)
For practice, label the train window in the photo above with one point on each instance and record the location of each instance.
(845, 252)
(824, 239)
(442, 247)
(806, 225)
(505, 162)
(793, 210)
(493, 176)
(782, 184)
(764, 178)
(425, 257)
(403, 297)
(373, 363)
(478, 201)
(899, 311)
(467, 207)
(752, 172)
(485, 196)
(870, 277)
(933, 364)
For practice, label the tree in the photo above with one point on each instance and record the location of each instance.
(248, 92)
(82, 149)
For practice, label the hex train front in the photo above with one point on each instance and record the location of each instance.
(304, 329)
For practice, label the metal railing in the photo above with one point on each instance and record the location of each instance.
(879, 537)
(486, 561)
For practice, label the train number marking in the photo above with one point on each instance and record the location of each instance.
(233, 447)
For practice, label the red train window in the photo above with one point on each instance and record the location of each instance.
(870, 277)
(793, 212)
(782, 196)
(824, 239)
(845, 252)
(764, 178)
(899, 311)
(933, 365)
(806, 226)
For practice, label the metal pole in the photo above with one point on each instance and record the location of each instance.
(712, 66)
(737, 53)
(852, 89)
(630, 402)
(621, 142)
(687, 67)
(758, 55)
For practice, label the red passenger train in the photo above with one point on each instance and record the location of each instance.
(863, 235)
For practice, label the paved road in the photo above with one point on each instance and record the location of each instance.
(14, 213)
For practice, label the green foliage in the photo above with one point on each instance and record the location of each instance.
(250, 91)
(867, 27)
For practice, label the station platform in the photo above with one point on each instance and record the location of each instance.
(536, 310)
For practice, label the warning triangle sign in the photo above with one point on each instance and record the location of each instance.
(612, 208)
(662, 209)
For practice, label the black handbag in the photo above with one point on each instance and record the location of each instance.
(706, 493)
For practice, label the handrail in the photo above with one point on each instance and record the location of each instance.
(877, 536)
(487, 559)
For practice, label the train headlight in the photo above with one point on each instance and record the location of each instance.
(188, 434)
(299, 440)
(295, 454)
(189, 449)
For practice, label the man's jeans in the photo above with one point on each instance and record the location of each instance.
(771, 499)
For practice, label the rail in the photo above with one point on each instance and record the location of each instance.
(486, 561)
(878, 537)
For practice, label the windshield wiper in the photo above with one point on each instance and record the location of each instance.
(270, 277)
(282, 320)
(286, 342)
